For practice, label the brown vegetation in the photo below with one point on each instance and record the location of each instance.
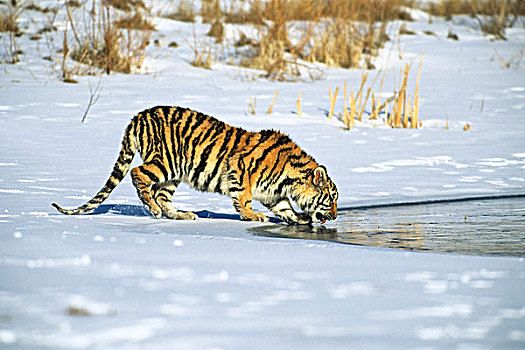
(9, 23)
(405, 108)
(106, 39)
(336, 33)
(493, 16)
(135, 21)
(184, 12)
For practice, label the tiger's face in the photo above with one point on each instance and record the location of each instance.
(319, 197)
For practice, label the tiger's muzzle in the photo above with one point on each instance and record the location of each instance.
(331, 215)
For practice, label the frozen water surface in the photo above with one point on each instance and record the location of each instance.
(481, 227)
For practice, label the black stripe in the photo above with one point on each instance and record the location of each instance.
(192, 123)
(264, 136)
(174, 130)
(221, 154)
(178, 140)
(149, 174)
(204, 157)
(286, 182)
(238, 134)
(281, 140)
(272, 176)
(141, 133)
(236, 189)
(168, 150)
(151, 137)
(260, 179)
(242, 170)
(166, 111)
(158, 163)
(117, 173)
(199, 139)
(250, 166)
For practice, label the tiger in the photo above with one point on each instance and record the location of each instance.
(178, 145)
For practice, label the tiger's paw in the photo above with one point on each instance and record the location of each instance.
(174, 214)
(155, 211)
(303, 219)
(255, 217)
(187, 216)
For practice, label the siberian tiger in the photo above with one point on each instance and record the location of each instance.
(180, 145)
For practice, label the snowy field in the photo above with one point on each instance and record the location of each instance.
(119, 279)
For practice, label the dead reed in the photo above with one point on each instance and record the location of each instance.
(405, 108)
(336, 33)
(135, 21)
(9, 17)
(493, 16)
(202, 51)
(239, 14)
(252, 105)
(333, 99)
(273, 102)
(299, 105)
(184, 12)
(108, 40)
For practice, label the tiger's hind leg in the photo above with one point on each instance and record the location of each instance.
(163, 196)
(143, 178)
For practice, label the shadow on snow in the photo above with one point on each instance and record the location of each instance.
(138, 210)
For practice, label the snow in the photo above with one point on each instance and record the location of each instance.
(136, 282)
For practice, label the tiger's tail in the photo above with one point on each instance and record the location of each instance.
(120, 170)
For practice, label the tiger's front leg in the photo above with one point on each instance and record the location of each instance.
(284, 210)
(242, 201)
(241, 196)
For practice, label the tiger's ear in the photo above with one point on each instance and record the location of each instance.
(320, 176)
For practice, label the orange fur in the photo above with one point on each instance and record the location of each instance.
(181, 145)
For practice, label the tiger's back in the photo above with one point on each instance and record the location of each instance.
(181, 145)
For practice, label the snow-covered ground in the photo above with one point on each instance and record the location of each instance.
(141, 283)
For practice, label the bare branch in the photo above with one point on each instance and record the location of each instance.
(94, 95)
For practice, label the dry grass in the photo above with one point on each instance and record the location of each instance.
(337, 33)
(368, 11)
(273, 52)
(252, 105)
(9, 17)
(106, 42)
(202, 51)
(252, 13)
(405, 114)
(405, 108)
(273, 102)
(448, 8)
(211, 12)
(339, 44)
(493, 16)
(126, 5)
(185, 12)
(78, 311)
(298, 102)
(333, 99)
(270, 57)
(136, 21)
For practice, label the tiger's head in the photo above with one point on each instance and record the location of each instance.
(318, 196)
